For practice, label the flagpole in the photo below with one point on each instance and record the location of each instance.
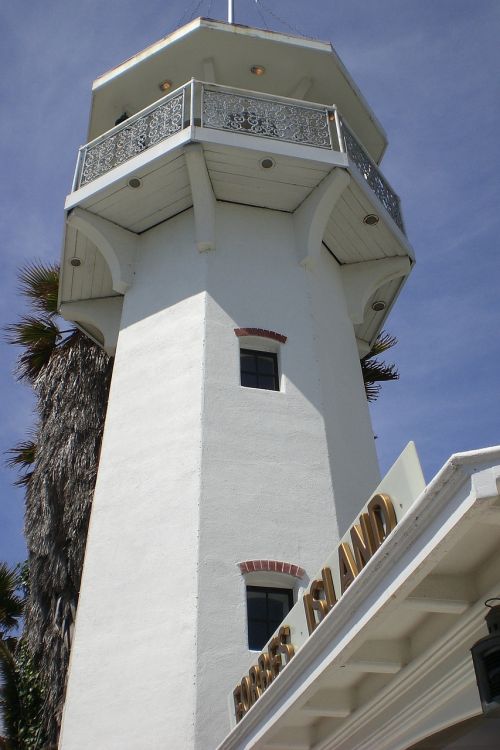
(230, 11)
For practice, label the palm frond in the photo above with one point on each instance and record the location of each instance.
(11, 604)
(22, 457)
(39, 337)
(376, 372)
(39, 282)
(32, 331)
(382, 343)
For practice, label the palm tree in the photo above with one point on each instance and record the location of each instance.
(21, 696)
(70, 376)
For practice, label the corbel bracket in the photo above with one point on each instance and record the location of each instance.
(311, 217)
(204, 202)
(361, 280)
(117, 245)
(103, 315)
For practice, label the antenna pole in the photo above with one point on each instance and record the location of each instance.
(230, 11)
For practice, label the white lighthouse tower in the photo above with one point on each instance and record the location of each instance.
(232, 241)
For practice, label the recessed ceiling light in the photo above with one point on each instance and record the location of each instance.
(371, 220)
(267, 163)
(258, 70)
(165, 85)
(331, 116)
(76, 262)
(134, 182)
(378, 305)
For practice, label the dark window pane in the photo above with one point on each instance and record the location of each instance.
(249, 380)
(256, 601)
(266, 608)
(259, 370)
(266, 365)
(278, 606)
(257, 635)
(267, 382)
(248, 362)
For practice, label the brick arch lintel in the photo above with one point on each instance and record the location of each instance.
(271, 566)
(262, 332)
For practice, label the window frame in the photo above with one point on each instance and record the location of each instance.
(267, 590)
(268, 354)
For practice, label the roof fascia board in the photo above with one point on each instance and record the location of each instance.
(158, 46)
(149, 51)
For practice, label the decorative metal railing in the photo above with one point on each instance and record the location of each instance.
(134, 136)
(268, 117)
(372, 174)
(243, 112)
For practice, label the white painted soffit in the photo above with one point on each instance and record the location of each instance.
(463, 498)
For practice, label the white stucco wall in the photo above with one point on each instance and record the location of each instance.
(277, 468)
(198, 473)
(135, 645)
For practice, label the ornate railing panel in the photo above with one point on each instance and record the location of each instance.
(135, 135)
(265, 117)
(372, 175)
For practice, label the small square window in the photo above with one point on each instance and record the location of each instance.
(259, 369)
(266, 610)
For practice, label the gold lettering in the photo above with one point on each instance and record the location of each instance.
(347, 566)
(362, 541)
(321, 598)
(310, 618)
(331, 597)
(266, 676)
(255, 686)
(367, 531)
(382, 517)
(239, 711)
(274, 656)
(286, 647)
(245, 693)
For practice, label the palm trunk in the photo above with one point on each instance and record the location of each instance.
(72, 391)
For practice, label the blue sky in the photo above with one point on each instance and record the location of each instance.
(431, 71)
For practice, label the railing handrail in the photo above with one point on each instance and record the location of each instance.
(272, 97)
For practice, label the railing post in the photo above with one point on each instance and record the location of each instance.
(330, 119)
(192, 106)
(340, 135)
(79, 165)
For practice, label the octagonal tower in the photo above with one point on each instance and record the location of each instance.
(232, 241)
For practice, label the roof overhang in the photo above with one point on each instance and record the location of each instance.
(224, 53)
(390, 664)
